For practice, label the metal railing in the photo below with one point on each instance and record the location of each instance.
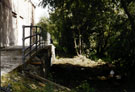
(34, 41)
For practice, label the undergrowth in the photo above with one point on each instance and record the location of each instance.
(20, 83)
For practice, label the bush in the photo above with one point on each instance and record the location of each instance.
(84, 87)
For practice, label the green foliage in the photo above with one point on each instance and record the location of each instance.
(50, 27)
(20, 83)
(49, 88)
(96, 28)
(83, 87)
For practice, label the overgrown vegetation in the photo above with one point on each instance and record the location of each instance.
(17, 82)
(84, 87)
(95, 28)
(21, 83)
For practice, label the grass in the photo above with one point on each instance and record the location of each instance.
(83, 87)
(79, 73)
(20, 83)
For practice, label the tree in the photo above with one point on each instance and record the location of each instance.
(105, 28)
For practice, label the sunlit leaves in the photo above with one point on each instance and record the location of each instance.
(103, 25)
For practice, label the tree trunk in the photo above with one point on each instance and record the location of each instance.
(80, 45)
(76, 47)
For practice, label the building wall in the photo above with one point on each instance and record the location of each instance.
(14, 14)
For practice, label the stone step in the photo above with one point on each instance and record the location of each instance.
(36, 63)
(18, 52)
(10, 59)
(13, 59)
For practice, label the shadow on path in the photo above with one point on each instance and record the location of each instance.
(97, 77)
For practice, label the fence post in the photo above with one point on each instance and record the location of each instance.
(30, 39)
(36, 39)
(23, 42)
(40, 38)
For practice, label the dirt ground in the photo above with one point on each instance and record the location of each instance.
(79, 73)
(72, 72)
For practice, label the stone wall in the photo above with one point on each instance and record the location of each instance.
(14, 14)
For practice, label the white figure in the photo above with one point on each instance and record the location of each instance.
(112, 73)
